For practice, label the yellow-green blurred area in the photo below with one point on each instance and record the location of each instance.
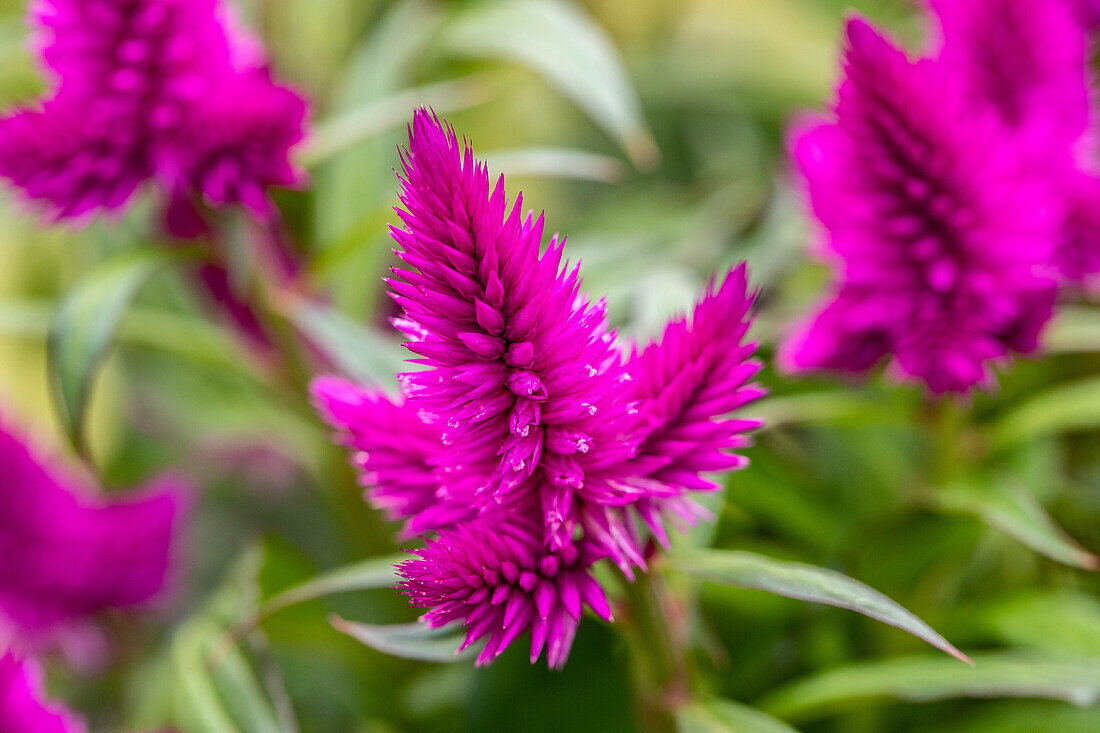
(652, 134)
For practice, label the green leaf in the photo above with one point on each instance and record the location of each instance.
(566, 46)
(357, 351)
(173, 333)
(1074, 330)
(824, 407)
(726, 716)
(337, 135)
(805, 583)
(373, 573)
(409, 641)
(555, 163)
(1064, 408)
(86, 325)
(922, 679)
(377, 572)
(214, 689)
(1012, 509)
(1058, 621)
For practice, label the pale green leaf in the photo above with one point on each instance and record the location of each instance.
(565, 45)
(1075, 329)
(213, 687)
(922, 679)
(356, 350)
(555, 163)
(805, 583)
(1057, 621)
(823, 407)
(1012, 509)
(336, 135)
(726, 716)
(85, 327)
(373, 573)
(409, 641)
(1063, 408)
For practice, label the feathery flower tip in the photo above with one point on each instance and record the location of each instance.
(528, 443)
(499, 584)
(515, 352)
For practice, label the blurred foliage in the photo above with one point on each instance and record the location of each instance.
(652, 134)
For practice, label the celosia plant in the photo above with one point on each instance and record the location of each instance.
(1032, 69)
(69, 554)
(942, 233)
(531, 444)
(142, 89)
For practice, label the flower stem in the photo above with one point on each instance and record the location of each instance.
(659, 652)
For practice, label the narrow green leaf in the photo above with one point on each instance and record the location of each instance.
(555, 163)
(1066, 407)
(805, 583)
(1074, 330)
(356, 350)
(339, 134)
(216, 692)
(409, 641)
(726, 716)
(373, 573)
(566, 46)
(85, 327)
(823, 407)
(1012, 509)
(173, 333)
(922, 679)
(1056, 621)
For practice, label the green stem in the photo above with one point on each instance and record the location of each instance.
(945, 422)
(659, 652)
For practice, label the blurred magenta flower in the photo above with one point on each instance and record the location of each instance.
(940, 230)
(23, 707)
(1088, 13)
(529, 443)
(1032, 66)
(69, 554)
(163, 89)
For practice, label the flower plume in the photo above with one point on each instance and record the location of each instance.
(527, 442)
(942, 236)
(164, 89)
(518, 358)
(1032, 68)
(68, 554)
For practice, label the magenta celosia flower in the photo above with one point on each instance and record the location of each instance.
(235, 146)
(1088, 13)
(23, 704)
(498, 579)
(394, 450)
(68, 554)
(1077, 257)
(1031, 66)
(519, 360)
(528, 442)
(53, 155)
(696, 373)
(941, 233)
(147, 88)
